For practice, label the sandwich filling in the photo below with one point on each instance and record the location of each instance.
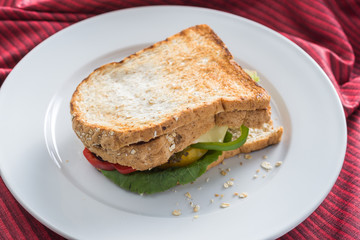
(192, 154)
(194, 159)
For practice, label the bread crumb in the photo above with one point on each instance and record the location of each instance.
(243, 195)
(222, 172)
(255, 176)
(133, 151)
(224, 205)
(278, 163)
(196, 216)
(266, 165)
(188, 195)
(196, 208)
(176, 212)
(247, 156)
(265, 157)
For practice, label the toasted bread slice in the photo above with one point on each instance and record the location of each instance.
(172, 84)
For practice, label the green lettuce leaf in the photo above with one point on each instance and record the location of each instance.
(253, 74)
(160, 180)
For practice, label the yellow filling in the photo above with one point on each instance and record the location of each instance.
(190, 154)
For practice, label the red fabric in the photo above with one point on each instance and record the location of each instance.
(329, 30)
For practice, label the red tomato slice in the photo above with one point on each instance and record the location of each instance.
(106, 165)
(96, 162)
(124, 169)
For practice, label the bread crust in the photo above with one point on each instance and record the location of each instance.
(252, 119)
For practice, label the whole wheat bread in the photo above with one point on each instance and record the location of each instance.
(163, 90)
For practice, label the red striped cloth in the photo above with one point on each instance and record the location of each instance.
(328, 30)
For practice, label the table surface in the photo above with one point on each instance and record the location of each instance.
(327, 30)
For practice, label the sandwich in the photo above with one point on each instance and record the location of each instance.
(166, 114)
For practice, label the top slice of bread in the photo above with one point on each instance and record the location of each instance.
(188, 76)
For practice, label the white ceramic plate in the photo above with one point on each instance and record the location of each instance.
(41, 159)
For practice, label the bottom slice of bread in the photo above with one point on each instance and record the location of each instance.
(258, 139)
